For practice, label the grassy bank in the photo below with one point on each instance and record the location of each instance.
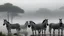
(1, 34)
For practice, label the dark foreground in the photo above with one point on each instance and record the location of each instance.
(47, 35)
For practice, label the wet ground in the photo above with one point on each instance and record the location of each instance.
(47, 35)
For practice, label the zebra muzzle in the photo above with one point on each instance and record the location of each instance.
(29, 26)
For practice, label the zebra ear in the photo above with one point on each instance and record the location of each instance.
(4, 19)
(60, 19)
(46, 19)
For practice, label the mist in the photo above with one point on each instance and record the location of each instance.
(35, 10)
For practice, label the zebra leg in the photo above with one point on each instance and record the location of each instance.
(38, 32)
(35, 32)
(26, 34)
(32, 32)
(42, 32)
(18, 32)
(9, 33)
(45, 32)
(50, 31)
(61, 32)
(53, 32)
(58, 32)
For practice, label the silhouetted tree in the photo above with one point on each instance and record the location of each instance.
(11, 9)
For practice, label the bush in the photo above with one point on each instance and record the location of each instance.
(1, 34)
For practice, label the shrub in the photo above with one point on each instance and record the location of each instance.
(1, 34)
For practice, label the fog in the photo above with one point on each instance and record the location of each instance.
(35, 4)
(35, 10)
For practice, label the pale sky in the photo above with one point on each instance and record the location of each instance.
(28, 5)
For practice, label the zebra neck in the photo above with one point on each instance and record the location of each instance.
(60, 24)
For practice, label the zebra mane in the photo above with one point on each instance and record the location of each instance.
(6, 21)
(32, 22)
(44, 21)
